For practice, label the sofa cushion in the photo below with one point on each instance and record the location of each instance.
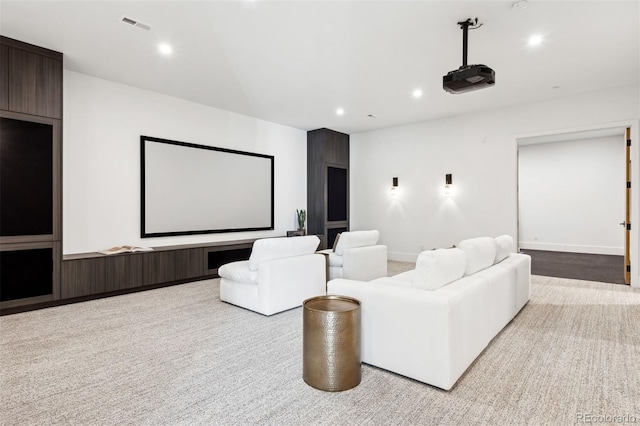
(481, 252)
(504, 247)
(275, 248)
(355, 239)
(437, 268)
(238, 272)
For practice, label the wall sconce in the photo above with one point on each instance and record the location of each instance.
(394, 186)
(448, 181)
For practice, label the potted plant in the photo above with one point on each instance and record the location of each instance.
(302, 217)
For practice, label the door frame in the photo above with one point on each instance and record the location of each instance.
(634, 125)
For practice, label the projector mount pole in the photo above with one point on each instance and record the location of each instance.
(465, 37)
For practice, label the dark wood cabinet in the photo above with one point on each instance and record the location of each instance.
(91, 275)
(84, 277)
(31, 174)
(327, 183)
(34, 79)
(28, 273)
(174, 265)
(123, 272)
(4, 77)
(216, 256)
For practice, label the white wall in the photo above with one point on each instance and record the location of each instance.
(572, 195)
(103, 122)
(479, 150)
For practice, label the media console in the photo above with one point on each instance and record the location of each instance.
(86, 276)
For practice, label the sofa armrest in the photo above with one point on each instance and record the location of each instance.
(430, 336)
(365, 263)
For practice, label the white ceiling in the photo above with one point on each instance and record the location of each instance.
(295, 62)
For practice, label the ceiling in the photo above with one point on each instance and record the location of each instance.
(296, 62)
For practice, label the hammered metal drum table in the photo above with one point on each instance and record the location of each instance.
(331, 342)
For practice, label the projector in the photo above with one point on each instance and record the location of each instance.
(468, 78)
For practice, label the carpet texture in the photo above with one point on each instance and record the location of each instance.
(179, 356)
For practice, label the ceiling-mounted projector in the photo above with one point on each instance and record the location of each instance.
(468, 77)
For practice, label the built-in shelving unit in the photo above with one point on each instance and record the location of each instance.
(30, 174)
(327, 183)
(86, 276)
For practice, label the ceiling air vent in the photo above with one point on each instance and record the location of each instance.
(135, 23)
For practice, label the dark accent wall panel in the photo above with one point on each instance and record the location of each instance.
(328, 207)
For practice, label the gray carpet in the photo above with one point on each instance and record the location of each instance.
(178, 356)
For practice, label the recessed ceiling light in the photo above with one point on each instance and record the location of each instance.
(165, 49)
(417, 93)
(535, 40)
(340, 111)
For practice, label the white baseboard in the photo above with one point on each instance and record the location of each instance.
(572, 248)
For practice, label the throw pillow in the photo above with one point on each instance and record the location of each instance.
(437, 268)
(481, 252)
(504, 247)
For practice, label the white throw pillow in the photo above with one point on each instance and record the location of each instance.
(437, 268)
(275, 248)
(504, 247)
(481, 252)
(355, 239)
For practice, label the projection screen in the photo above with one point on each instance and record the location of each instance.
(196, 189)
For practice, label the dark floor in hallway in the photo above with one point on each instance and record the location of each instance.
(579, 266)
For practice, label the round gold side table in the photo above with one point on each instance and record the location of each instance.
(331, 342)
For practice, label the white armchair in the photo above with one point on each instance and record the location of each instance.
(279, 275)
(357, 256)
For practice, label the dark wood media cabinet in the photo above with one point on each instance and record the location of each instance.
(87, 276)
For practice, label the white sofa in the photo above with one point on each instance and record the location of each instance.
(279, 275)
(358, 256)
(431, 323)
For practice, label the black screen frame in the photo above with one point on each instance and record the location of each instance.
(145, 234)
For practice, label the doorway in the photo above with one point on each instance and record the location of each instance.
(573, 204)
